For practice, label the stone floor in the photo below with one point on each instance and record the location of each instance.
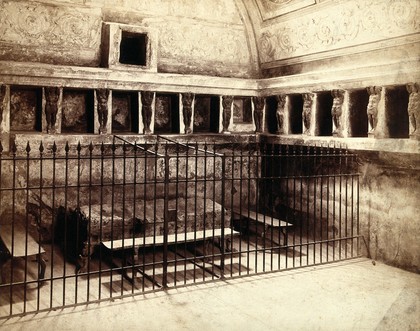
(351, 295)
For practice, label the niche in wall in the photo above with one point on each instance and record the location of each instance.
(358, 101)
(396, 112)
(25, 109)
(129, 47)
(133, 48)
(242, 110)
(125, 112)
(166, 113)
(270, 111)
(206, 113)
(295, 115)
(324, 117)
(78, 111)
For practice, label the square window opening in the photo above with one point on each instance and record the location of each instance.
(133, 48)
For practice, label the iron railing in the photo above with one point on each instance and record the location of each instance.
(84, 223)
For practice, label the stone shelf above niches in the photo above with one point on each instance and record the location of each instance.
(408, 146)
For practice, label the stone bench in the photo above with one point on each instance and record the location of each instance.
(268, 223)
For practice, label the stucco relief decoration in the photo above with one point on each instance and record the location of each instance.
(414, 109)
(308, 99)
(38, 24)
(191, 43)
(364, 22)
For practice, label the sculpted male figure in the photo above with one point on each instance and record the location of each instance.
(258, 112)
(372, 107)
(414, 108)
(51, 107)
(307, 111)
(336, 109)
(2, 97)
(281, 101)
(146, 110)
(187, 99)
(227, 106)
(102, 97)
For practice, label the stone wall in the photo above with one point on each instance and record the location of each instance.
(389, 191)
(389, 207)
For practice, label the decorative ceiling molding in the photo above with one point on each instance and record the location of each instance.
(270, 9)
(356, 22)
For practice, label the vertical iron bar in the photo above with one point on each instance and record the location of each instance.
(195, 209)
(124, 268)
(222, 244)
(334, 226)
(321, 148)
(166, 219)
(346, 156)
(90, 222)
(78, 208)
(176, 211)
(39, 220)
(315, 160)
(113, 184)
(66, 174)
(328, 200)
(205, 209)
(134, 263)
(28, 149)
(54, 152)
(340, 202)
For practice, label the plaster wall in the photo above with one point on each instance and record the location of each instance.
(206, 39)
(299, 36)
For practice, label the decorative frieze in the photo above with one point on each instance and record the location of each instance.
(319, 31)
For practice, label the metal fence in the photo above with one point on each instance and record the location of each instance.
(85, 223)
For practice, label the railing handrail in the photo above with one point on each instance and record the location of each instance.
(139, 147)
(189, 146)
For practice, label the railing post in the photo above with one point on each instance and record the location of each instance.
(222, 235)
(166, 219)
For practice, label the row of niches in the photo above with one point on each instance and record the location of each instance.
(376, 112)
(26, 109)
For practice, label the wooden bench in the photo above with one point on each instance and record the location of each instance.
(267, 221)
(133, 244)
(20, 244)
